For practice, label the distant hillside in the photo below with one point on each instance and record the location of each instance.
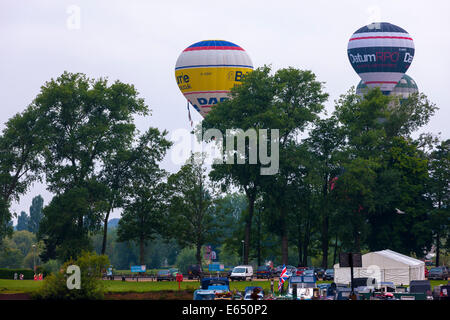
(113, 223)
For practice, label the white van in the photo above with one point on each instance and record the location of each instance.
(242, 273)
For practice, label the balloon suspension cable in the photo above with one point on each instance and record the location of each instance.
(189, 114)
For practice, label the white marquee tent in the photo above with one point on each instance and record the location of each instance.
(384, 266)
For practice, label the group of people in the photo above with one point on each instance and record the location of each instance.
(38, 276)
(21, 276)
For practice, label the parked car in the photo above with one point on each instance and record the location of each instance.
(277, 271)
(263, 272)
(438, 273)
(291, 271)
(300, 270)
(174, 271)
(309, 272)
(211, 287)
(242, 273)
(164, 275)
(344, 294)
(426, 272)
(421, 287)
(319, 272)
(428, 262)
(328, 274)
(195, 271)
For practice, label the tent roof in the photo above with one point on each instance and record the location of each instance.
(399, 257)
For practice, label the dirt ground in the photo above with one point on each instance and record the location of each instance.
(15, 296)
(160, 295)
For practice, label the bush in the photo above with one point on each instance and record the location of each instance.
(185, 258)
(51, 266)
(91, 267)
(28, 274)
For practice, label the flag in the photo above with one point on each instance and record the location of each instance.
(283, 277)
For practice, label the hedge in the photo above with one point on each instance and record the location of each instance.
(28, 274)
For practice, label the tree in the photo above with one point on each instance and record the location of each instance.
(118, 174)
(191, 215)
(146, 192)
(21, 143)
(22, 221)
(35, 214)
(60, 229)
(382, 170)
(439, 192)
(287, 101)
(325, 142)
(85, 121)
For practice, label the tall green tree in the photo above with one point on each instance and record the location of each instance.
(286, 101)
(191, 212)
(439, 192)
(35, 214)
(85, 121)
(251, 102)
(325, 142)
(22, 221)
(384, 172)
(119, 171)
(21, 143)
(146, 192)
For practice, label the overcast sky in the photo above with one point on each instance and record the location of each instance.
(138, 42)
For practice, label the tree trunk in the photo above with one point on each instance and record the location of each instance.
(284, 237)
(325, 241)
(141, 250)
(198, 254)
(259, 238)
(299, 247)
(335, 249)
(438, 247)
(248, 227)
(105, 231)
(357, 240)
(325, 224)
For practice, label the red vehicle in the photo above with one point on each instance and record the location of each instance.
(426, 272)
(300, 270)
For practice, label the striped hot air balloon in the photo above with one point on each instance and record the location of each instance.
(207, 70)
(381, 53)
(404, 88)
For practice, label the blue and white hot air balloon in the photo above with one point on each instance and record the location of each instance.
(381, 53)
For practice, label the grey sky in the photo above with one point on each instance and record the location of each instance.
(138, 42)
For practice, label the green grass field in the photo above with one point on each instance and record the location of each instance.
(28, 286)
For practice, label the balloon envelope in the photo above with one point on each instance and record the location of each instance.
(404, 88)
(381, 53)
(207, 70)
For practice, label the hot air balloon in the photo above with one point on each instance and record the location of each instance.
(404, 88)
(381, 53)
(207, 70)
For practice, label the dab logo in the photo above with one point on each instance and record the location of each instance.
(236, 76)
(210, 101)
